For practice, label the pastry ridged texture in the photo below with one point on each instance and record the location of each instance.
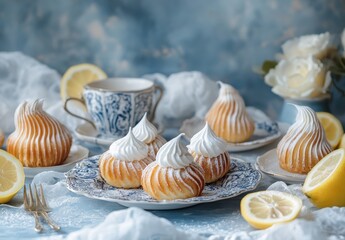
(39, 140)
(122, 174)
(155, 145)
(167, 183)
(228, 117)
(304, 144)
(214, 167)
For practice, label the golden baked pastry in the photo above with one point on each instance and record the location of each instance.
(174, 174)
(304, 144)
(228, 117)
(210, 152)
(39, 140)
(122, 165)
(148, 133)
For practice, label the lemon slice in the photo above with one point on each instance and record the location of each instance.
(333, 128)
(263, 209)
(12, 176)
(325, 183)
(76, 77)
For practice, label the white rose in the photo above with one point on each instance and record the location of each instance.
(317, 45)
(299, 78)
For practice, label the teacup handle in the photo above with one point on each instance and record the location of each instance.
(160, 90)
(82, 101)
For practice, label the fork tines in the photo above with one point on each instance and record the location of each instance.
(36, 203)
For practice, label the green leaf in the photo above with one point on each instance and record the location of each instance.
(268, 65)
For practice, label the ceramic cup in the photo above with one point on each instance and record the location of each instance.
(116, 104)
(288, 113)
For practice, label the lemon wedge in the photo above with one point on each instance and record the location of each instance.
(333, 128)
(263, 209)
(325, 183)
(76, 77)
(12, 176)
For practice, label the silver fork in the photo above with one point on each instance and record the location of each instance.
(43, 209)
(29, 206)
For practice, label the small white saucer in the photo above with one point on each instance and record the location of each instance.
(266, 131)
(88, 133)
(268, 163)
(76, 154)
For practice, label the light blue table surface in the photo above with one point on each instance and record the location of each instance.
(222, 217)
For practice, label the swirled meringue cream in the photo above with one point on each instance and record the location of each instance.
(39, 140)
(228, 117)
(122, 165)
(207, 144)
(174, 174)
(210, 152)
(174, 154)
(146, 132)
(304, 144)
(128, 148)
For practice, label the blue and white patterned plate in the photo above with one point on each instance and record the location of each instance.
(84, 179)
(266, 131)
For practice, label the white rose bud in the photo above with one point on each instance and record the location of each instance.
(317, 45)
(302, 78)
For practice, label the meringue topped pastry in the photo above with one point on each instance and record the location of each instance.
(304, 144)
(228, 117)
(174, 174)
(121, 166)
(148, 133)
(39, 140)
(210, 152)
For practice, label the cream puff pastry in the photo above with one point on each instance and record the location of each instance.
(148, 133)
(122, 165)
(228, 117)
(39, 140)
(304, 144)
(174, 174)
(210, 152)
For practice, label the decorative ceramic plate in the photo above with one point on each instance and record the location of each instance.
(268, 163)
(84, 179)
(266, 131)
(76, 154)
(88, 133)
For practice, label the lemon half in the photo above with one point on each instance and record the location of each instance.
(325, 183)
(12, 176)
(263, 209)
(333, 128)
(76, 77)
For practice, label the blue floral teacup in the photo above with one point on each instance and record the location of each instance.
(116, 104)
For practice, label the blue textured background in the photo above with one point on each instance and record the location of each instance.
(223, 38)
